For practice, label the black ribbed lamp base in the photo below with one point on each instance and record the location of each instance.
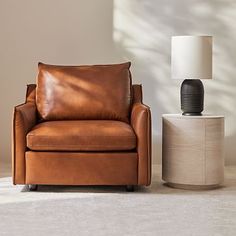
(192, 97)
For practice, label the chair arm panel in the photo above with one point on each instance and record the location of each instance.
(24, 118)
(141, 123)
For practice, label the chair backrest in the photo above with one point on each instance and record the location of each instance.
(84, 92)
(137, 94)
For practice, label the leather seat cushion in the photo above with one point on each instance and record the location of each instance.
(96, 92)
(89, 135)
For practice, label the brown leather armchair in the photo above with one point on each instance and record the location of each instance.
(82, 125)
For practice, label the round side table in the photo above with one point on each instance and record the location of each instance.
(193, 151)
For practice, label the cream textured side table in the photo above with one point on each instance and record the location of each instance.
(193, 151)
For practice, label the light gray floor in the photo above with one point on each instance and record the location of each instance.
(155, 210)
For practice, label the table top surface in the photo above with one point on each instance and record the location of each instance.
(203, 116)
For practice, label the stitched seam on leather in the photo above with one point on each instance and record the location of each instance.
(147, 126)
(75, 145)
(34, 135)
(147, 111)
(149, 146)
(14, 149)
(20, 105)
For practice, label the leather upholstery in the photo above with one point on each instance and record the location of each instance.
(81, 168)
(31, 93)
(81, 135)
(137, 93)
(84, 92)
(141, 123)
(24, 118)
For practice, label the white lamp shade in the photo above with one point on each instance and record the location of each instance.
(191, 57)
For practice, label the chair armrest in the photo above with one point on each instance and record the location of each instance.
(141, 123)
(24, 118)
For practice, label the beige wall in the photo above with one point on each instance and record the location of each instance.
(106, 31)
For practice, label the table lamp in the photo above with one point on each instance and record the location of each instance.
(191, 60)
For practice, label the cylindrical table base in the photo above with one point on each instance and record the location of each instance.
(192, 151)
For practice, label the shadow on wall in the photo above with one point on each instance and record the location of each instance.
(142, 34)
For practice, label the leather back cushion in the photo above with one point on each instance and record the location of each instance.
(84, 92)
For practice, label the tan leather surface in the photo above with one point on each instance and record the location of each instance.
(136, 90)
(89, 135)
(31, 93)
(141, 123)
(83, 167)
(84, 92)
(137, 93)
(61, 168)
(24, 118)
